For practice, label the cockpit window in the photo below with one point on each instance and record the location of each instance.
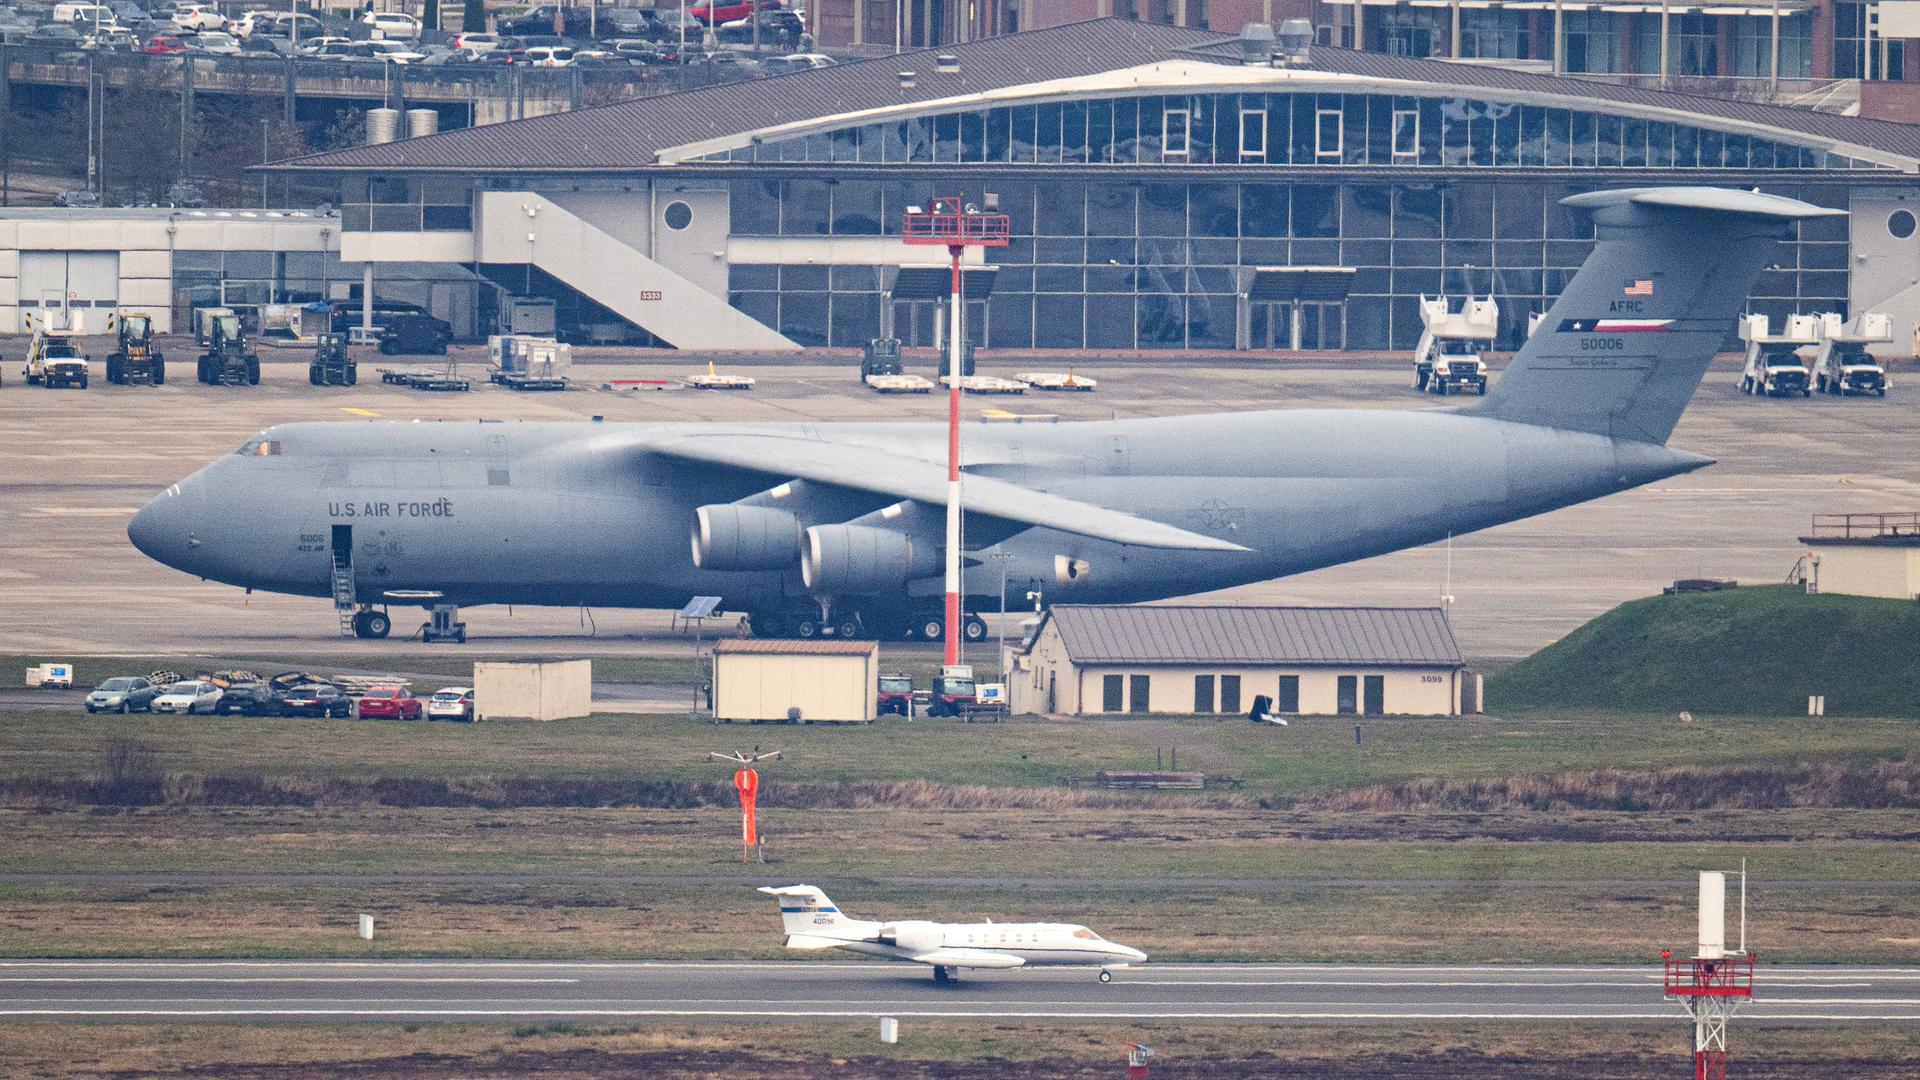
(260, 448)
(1085, 934)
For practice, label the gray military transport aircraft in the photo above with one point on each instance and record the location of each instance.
(807, 527)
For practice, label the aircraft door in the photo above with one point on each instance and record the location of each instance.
(343, 546)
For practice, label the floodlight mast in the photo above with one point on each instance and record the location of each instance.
(956, 226)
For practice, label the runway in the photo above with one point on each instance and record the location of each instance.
(511, 991)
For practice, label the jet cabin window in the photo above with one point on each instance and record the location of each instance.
(260, 448)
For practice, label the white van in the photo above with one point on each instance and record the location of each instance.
(548, 56)
(82, 13)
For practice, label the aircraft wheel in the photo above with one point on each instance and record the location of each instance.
(1483, 389)
(1440, 387)
(847, 628)
(313, 375)
(83, 381)
(1106, 976)
(158, 371)
(253, 371)
(378, 625)
(353, 374)
(806, 627)
(974, 628)
(930, 628)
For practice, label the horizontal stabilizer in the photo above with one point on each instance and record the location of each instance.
(972, 958)
(867, 468)
(1720, 200)
(810, 942)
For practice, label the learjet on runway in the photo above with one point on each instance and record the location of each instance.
(813, 922)
(811, 526)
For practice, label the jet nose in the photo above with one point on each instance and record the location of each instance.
(1132, 954)
(159, 530)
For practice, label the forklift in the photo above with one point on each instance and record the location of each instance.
(332, 366)
(135, 362)
(227, 361)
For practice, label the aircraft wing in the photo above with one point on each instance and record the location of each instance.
(973, 958)
(868, 469)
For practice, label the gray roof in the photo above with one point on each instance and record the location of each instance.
(626, 136)
(1153, 634)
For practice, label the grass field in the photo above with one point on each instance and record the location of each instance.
(1753, 651)
(932, 1051)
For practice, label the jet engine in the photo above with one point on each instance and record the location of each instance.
(860, 560)
(915, 936)
(730, 536)
(1070, 571)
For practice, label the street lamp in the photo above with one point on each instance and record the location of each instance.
(1003, 558)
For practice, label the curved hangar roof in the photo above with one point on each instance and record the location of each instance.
(1101, 58)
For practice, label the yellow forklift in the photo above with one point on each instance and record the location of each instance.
(135, 362)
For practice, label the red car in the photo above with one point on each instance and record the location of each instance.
(390, 703)
(163, 45)
(713, 14)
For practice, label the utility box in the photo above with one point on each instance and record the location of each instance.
(834, 682)
(550, 690)
(51, 676)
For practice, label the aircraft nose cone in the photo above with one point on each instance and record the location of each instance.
(159, 530)
(1133, 954)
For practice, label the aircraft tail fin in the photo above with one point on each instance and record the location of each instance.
(805, 910)
(1625, 345)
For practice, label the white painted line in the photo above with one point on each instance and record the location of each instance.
(861, 1014)
(476, 980)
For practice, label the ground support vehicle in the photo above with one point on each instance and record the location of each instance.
(53, 356)
(1773, 366)
(226, 361)
(895, 694)
(332, 364)
(953, 692)
(135, 361)
(410, 332)
(1447, 359)
(1842, 363)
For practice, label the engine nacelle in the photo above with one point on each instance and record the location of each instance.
(728, 536)
(915, 936)
(1070, 571)
(860, 560)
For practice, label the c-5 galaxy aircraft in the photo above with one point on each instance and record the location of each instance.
(811, 526)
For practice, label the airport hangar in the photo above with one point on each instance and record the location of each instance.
(1164, 192)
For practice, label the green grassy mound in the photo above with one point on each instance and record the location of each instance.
(1751, 651)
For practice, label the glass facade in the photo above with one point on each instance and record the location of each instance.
(1298, 129)
(1125, 264)
(1859, 52)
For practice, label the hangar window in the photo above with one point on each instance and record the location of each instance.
(260, 448)
(1327, 134)
(1173, 132)
(678, 215)
(1253, 134)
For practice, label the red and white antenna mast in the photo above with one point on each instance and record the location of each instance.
(1713, 982)
(957, 226)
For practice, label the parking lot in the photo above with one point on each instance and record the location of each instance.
(79, 463)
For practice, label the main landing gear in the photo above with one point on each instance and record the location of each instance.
(943, 977)
(443, 624)
(1106, 976)
(368, 623)
(808, 623)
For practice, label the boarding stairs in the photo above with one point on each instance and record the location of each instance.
(345, 603)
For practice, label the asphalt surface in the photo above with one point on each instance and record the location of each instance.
(516, 991)
(76, 471)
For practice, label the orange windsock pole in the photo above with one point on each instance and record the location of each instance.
(747, 782)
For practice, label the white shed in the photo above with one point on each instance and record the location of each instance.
(1865, 555)
(548, 690)
(1214, 660)
(827, 681)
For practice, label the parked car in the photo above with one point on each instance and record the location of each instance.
(714, 13)
(392, 25)
(316, 699)
(164, 45)
(198, 17)
(125, 693)
(216, 43)
(451, 703)
(250, 699)
(622, 22)
(476, 43)
(395, 52)
(312, 46)
(390, 703)
(548, 56)
(599, 58)
(113, 39)
(665, 25)
(54, 35)
(82, 13)
(411, 333)
(539, 20)
(281, 24)
(776, 27)
(188, 696)
(128, 13)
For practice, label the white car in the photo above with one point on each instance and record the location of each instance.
(815, 60)
(199, 17)
(310, 46)
(188, 696)
(392, 24)
(451, 703)
(393, 52)
(217, 42)
(476, 44)
(548, 56)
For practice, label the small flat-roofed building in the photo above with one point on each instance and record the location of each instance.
(827, 681)
(1083, 660)
(1865, 555)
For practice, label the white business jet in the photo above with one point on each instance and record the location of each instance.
(813, 922)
